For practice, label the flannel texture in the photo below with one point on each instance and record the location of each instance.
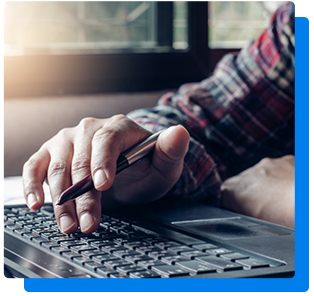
(240, 114)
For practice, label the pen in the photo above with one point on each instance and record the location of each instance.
(126, 159)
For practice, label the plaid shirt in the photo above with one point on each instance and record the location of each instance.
(239, 115)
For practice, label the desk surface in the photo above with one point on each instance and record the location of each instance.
(13, 191)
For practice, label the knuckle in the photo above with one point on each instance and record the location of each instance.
(63, 134)
(109, 133)
(81, 164)
(57, 168)
(86, 123)
(266, 162)
(289, 157)
(32, 164)
(119, 117)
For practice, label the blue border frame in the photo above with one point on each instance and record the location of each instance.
(299, 283)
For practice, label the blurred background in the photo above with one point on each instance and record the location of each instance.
(67, 60)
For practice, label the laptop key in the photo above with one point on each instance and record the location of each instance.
(193, 254)
(144, 274)
(105, 271)
(196, 267)
(219, 262)
(218, 251)
(81, 260)
(204, 247)
(234, 256)
(147, 264)
(127, 269)
(252, 263)
(173, 259)
(115, 263)
(92, 265)
(170, 270)
(103, 257)
(137, 258)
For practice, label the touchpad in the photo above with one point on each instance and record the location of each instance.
(228, 228)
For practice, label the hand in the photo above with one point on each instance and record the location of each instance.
(264, 191)
(93, 146)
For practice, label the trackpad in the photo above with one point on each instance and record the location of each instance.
(228, 228)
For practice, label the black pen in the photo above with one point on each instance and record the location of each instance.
(126, 159)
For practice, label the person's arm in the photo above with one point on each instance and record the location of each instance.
(239, 115)
(265, 191)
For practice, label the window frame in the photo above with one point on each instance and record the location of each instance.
(45, 75)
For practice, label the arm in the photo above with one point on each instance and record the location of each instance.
(241, 114)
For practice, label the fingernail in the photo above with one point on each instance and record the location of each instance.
(31, 200)
(100, 178)
(66, 223)
(86, 222)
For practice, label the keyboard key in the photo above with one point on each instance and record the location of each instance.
(70, 254)
(218, 251)
(147, 264)
(81, 259)
(234, 256)
(115, 263)
(59, 250)
(252, 263)
(137, 258)
(112, 248)
(204, 247)
(100, 243)
(173, 259)
(170, 270)
(219, 262)
(180, 249)
(49, 244)
(90, 253)
(117, 275)
(167, 244)
(39, 240)
(127, 269)
(70, 242)
(21, 231)
(144, 274)
(124, 253)
(105, 271)
(92, 265)
(103, 257)
(196, 267)
(193, 254)
(81, 248)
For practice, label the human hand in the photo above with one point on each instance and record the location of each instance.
(93, 146)
(264, 191)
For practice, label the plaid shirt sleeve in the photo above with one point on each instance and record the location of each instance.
(242, 113)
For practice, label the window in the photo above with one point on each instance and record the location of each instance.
(33, 28)
(233, 24)
(57, 47)
(84, 47)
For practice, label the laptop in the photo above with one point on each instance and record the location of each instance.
(165, 239)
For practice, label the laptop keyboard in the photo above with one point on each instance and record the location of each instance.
(121, 249)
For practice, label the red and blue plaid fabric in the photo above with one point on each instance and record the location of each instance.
(242, 113)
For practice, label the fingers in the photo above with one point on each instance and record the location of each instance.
(118, 134)
(88, 205)
(59, 179)
(34, 174)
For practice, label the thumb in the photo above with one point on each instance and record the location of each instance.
(171, 148)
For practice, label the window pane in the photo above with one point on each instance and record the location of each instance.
(87, 27)
(232, 24)
(180, 25)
